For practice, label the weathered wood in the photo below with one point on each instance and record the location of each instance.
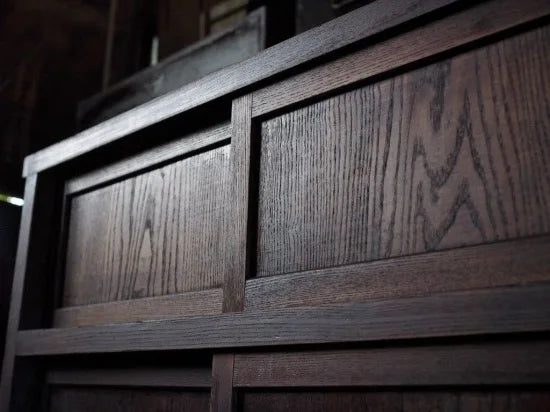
(157, 377)
(149, 158)
(485, 312)
(69, 399)
(206, 302)
(462, 28)
(155, 234)
(238, 251)
(503, 363)
(348, 29)
(509, 263)
(422, 161)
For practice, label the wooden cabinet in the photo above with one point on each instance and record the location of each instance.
(355, 219)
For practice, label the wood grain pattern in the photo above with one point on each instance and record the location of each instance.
(399, 401)
(149, 158)
(237, 253)
(508, 263)
(154, 234)
(68, 399)
(480, 21)
(485, 312)
(341, 32)
(205, 302)
(506, 363)
(158, 377)
(449, 155)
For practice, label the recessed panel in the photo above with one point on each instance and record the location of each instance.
(158, 233)
(95, 399)
(452, 154)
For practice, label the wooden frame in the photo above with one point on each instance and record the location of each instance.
(486, 290)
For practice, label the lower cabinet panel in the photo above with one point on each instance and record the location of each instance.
(85, 399)
(397, 401)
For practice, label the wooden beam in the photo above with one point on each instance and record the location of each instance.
(484, 312)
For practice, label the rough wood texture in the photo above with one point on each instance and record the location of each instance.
(462, 364)
(448, 155)
(348, 29)
(396, 401)
(154, 234)
(512, 310)
(206, 302)
(149, 158)
(173, 378)
(508, 263)
(462, 28)
(237, 253)
(67, 399)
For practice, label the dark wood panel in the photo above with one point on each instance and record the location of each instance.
(154, 234)
(397, 401)
(511, 310)
(449, 155)
(205, 302)
(462, 364)
(174, 378)
(92, 400)
(149, 158)
(508, 263)
(348, 29)
(480, 21)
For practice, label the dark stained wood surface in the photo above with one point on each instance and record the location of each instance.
(441, 157)
(483, 312)
(158, 233)
(69, 399)
(518, 400)
(478, 22)
(348, 29)
(149, 158)
(503, 363)
(205, 302)
(237, 225)
(222, 396)
(158, 377)
(514, 262)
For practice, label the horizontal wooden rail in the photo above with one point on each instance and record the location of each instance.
(508, 263)
(350, 28)
(502, 363)
(207, 302)
(473, 24)
(149, 158)
(495, 311)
